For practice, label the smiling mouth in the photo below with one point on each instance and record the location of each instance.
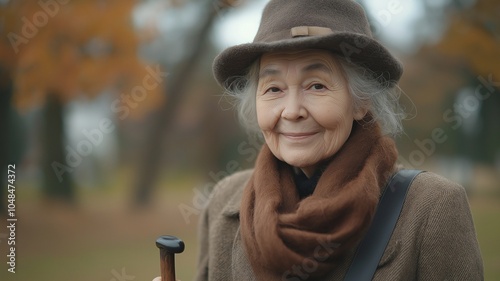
(298, 136)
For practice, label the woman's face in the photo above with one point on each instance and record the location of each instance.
(304, 108)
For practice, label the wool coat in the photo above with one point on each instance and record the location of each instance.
(434, 238)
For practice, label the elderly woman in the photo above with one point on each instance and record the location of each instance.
(323, 93)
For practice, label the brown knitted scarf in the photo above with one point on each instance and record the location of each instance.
(281, 232)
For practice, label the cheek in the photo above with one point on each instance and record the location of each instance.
(333, 116)
(267, 115)
(337, 123)
(339, 130)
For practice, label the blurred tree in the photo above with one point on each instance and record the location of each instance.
(473, 39)
(441, 80)
(180, 81)
(64, 49)
(7, 62)
(473, 35)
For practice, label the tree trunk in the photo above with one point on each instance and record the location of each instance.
(488, 139)
(57, 182)
(149, 167)
(5, 100)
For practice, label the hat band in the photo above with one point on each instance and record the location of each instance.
(310, 31)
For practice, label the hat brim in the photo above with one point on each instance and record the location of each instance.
(359, 49)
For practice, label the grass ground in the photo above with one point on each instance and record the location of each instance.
(104, 239)
(486, 213)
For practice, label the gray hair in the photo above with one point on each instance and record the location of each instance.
(381, 97)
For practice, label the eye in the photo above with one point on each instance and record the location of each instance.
(318, 86)
(273, 90)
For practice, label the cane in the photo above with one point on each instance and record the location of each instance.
(168, 245)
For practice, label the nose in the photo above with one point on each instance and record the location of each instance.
(294, 108)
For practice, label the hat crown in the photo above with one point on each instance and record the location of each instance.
(280, 16)
(339, 26)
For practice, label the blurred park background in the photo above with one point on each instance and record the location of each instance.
(117, 130)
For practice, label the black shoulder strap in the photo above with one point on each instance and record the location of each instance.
(372, 247)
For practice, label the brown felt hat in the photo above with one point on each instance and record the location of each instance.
(340, 26)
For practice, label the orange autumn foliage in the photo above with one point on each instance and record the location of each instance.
(77, 47)
(473, 36)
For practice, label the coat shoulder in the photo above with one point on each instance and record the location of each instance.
(445, 235)
(227, 193)
(434, 236)
(430, 191)
(428, 185)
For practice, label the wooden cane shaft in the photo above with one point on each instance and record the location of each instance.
(167, 264)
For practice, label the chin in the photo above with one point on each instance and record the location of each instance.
(299, 162)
